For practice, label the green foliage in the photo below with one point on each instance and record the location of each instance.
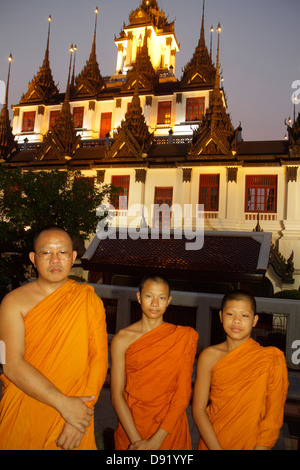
(32, 200)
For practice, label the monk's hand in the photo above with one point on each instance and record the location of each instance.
(153, 443)
(69, 438)
(76, 412)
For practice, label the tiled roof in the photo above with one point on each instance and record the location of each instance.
(223, 255)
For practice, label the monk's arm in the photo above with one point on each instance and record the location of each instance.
(98, 347)
(27, 377)
(118, 351)
(272, 421)
(200, 401)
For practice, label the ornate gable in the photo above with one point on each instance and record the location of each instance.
(42, 87)
(142, 72)
(133, 138)
(200, 70)
(90, 81)
(61, 140)
(215, 126)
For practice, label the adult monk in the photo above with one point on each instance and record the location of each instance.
(55, 339)
(244, 383)
(152, 364)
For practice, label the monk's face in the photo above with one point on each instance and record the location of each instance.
(53, 256)
(154, 299)
(238, 319)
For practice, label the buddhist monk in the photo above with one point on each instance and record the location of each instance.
(152, 364)
(245, 384)
(55, 338)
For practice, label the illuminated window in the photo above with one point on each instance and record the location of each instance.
(53, 117)
(261, 193)
(195, 109)
(162, 204)
(78, 117)
(209, 192)
(121, 184)
(28, 121)
(164, 112)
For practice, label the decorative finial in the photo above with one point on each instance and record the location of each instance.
(211, 31)
(10, 59)
(217, 82)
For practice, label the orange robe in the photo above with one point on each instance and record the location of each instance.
(66, 340)
(159, 368)
(248, 391)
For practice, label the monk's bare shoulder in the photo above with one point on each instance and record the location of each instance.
(210, 356)
(21, 300)
(125, 337)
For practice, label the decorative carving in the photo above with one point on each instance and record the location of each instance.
(186, 175)
(291, 174)
(133, 137)
(232, 174)
(282, 267)
(140, 175)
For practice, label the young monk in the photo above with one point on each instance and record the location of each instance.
(152, 364)
(54, 331)
(244, 383)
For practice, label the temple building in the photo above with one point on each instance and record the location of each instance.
(169, 144)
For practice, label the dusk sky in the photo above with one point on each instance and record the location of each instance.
(259, 48)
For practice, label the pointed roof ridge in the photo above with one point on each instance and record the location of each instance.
(216, 124)
(90, 80)
(7, 139)
(42, 86)
(200, 68)
(61, 141)
(133, 132)
(143, 70)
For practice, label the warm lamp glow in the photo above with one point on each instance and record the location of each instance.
(211, 29)
(50, 19)
(219, 29)
(97, 10)
(10, 59)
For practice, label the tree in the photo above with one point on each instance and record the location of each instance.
(32, 200)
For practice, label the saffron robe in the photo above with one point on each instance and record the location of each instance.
(159, 368)
(248, 391)
(66, 340)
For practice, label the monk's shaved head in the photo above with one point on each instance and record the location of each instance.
(52, 228)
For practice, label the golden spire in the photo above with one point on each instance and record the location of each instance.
(42, 86)
(89, 81)
(200, 69)
(7, 139)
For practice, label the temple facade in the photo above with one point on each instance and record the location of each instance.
(166, 141)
